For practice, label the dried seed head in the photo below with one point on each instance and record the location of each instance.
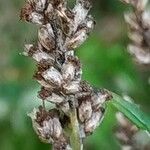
(61, 144)
(46, 37)
(48, 94)
(141, 5)
(141, 55)
(138, 4)
(71, 69)
(42, 82)
(139, 27)
(126, 133)
(43, 57)
(147, 37)
(121, 120)
(130, 18)
(26, 11)
(64, 106)
(29, 14)
(29, 50)
(40, 5)
(100, 97)
(36, 18)
(93, 122)
(136, 37)
(72, 87)
(53, 76)
(58, 3)
(44, 93)
(89, 23)
(51, 128)
(38, 54)
(59, 71)
(85, 111)
(77, 40)
(68, 71)
(80, 10)
(146, 19)
(55, 98)
(86, 87)
(81, 34)
(46, 124)
(50, 11)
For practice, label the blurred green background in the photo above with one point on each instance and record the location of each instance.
(105, 60)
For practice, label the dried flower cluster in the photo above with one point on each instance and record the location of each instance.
(61, 31)
(139, 30)
(129, 136)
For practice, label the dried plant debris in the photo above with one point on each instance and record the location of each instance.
(60, 31)
(129, 136)
(139, 30)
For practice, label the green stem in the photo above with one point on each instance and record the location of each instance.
(75, 141)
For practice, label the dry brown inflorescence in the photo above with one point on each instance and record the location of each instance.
(129, 136)
(60, 31)
(139, 30)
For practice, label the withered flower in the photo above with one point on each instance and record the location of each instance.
(139, 30)
(62, 30)
(129, 136)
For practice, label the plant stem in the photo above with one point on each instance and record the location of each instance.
(75, 141)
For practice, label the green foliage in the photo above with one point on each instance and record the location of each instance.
(132, 112)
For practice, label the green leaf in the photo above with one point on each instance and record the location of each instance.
(132, 112)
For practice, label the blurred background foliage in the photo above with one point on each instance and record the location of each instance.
(106, 64)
